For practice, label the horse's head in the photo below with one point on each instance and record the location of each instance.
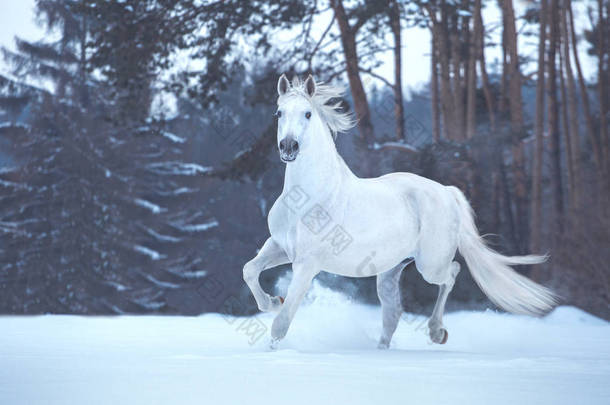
(308, 118)
(295, 114)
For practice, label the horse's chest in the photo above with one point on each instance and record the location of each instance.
(282, 223)
(301, 228)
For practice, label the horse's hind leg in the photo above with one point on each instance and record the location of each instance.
(438, 334)
(389, 295)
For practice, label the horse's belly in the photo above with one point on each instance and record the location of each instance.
(367, 256)
(368, 243)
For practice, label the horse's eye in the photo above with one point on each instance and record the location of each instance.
(308, 114)
(278, 114)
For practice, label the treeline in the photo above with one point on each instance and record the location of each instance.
(109, 204)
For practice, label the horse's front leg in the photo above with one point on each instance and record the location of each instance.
(302, 275)
(270, 255)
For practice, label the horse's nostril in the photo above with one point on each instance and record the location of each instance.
(289, 145)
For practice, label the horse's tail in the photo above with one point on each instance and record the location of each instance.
(492, 272)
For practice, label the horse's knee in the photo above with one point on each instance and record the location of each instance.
(250, 272)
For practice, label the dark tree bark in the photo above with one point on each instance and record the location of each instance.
(602, 88)
(436, 119)
(586, 106)
(565, 117)
(457, 85)
(398, 102)
(489, 100)
(473, 55)
(536, 214)
(554, 119)
(515, 104)
(440, 31)
(348, 41)
(572, 138)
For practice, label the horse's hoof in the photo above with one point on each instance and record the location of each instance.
(439, 336)
(273, 344)
(445, 336)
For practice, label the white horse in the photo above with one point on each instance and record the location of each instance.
(328, 219)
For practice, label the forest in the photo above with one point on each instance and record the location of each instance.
(138, 155)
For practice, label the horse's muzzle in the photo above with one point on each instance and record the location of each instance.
(289, 149)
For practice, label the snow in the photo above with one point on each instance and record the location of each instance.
(8, 124)
(173, 137)
(159, 283)
(153, 254)
(178, 168)
(116, 286)
(154, 208)
(328, 357)
(200, 227)
(194, 274)
(395, 145)
(161, 237)
(183, 190)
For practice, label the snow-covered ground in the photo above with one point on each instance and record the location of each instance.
(328, 357)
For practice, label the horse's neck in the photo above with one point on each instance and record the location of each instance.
(318, 172)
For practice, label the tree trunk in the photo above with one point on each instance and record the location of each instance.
(584, 95)
(536, 214)
(348, 41)
(457, 87)
(447, 107)
(554, 121)
(507, 199)
(502, 100)
(83, 92)
(484, 77)
(602, 88)
(398, 103)
(566, 130)
(516, 120)
(436, 123)
(472, 72)
(573, 140)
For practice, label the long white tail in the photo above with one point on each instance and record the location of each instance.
(492, 272)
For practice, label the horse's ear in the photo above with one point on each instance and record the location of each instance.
(282, 85)
(310, 86)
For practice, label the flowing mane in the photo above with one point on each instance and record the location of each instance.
(331, 113)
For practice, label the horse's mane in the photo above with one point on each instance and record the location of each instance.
(331, 113)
